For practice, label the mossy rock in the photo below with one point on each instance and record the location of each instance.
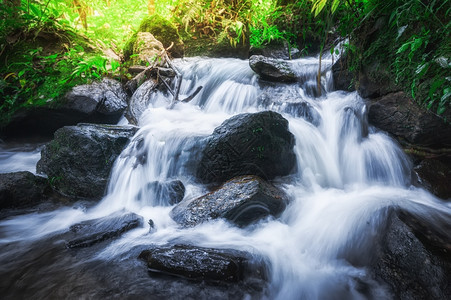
(204, 45)
(163, 30)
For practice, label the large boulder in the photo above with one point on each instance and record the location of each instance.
(21, 189)
(408, 268)
(272, 69)
(106, 97)
(99, 102)
(163, 30)
(90, 232)
(197, 263)
(241, 201)
(397, 114)
(79, 159)
(248, 144)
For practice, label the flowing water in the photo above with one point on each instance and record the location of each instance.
(348, 176)
(19, 157)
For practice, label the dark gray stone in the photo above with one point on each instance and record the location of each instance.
(397, 114)
(106, 97)
(408, 268)
(303, 110)
(79, 159)
(343, 79)
(278, 50)
(99, 102)
(248, 144)
(241, 200)
(165, 193)
(90, 232)
(197, 263)
(435, 175)
(272, 69)
(140, 100)
(376, 81)
(22, 189)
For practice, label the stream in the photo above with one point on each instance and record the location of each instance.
(348, 177)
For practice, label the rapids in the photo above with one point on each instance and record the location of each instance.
(348, 176)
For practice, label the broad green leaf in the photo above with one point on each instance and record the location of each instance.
(434, 86)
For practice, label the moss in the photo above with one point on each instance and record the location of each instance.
(163, 30)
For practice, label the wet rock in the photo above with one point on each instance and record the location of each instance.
(164, 193)
(303, 110)
(79, 159)
(248, 144)
(197, 263)
(408, 268)
(272, 69)
(397, 114)
(241, 200)
(431, 227)
(90, 232)
(343, 78)
(99, 102)
(140, 100)
(106, 97)
(22, 189)
(435, 176)
(277, 50)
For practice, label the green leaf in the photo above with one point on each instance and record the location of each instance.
(335, 5)
(434, 86)
(403, 47)
(416, 44)
(422, 69)
(446, 95)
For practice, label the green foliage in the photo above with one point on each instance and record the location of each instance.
(42, 58)
(414, 40)
(221, 19)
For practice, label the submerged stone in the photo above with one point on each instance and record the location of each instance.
(164, 193)
(241, 201)
(90, 232)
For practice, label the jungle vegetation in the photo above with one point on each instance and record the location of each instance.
(48, 46)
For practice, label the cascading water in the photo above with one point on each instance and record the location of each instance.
(348, 176)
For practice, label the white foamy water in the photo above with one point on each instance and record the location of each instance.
(19, 157)
(348, 177)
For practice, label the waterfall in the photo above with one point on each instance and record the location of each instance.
(349, 174)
